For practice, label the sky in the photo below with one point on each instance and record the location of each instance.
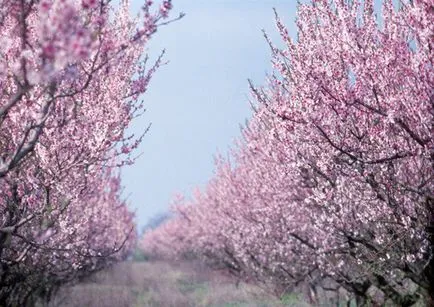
(197, 102)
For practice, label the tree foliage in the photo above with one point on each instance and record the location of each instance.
(333, 177)
(71, 73)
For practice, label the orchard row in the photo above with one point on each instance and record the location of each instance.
(331, 182)
(71, 73)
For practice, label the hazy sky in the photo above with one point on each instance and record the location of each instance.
(197, 102)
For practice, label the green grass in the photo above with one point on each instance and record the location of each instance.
(290, 299)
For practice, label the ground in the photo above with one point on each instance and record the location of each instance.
(166, 284)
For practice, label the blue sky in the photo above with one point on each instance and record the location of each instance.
(197, 102)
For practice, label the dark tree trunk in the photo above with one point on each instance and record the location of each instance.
(429, 270)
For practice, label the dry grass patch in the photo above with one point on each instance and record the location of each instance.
(162, 284)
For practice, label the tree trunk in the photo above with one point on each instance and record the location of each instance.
(429, 270)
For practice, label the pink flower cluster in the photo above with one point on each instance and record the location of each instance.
(332, 180)
(69, 91)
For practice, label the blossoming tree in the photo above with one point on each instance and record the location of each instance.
(333, 178)
(71, 73)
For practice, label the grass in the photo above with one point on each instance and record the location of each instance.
(166, 284)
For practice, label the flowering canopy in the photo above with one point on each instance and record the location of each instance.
(71, 73)
(333, 176)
